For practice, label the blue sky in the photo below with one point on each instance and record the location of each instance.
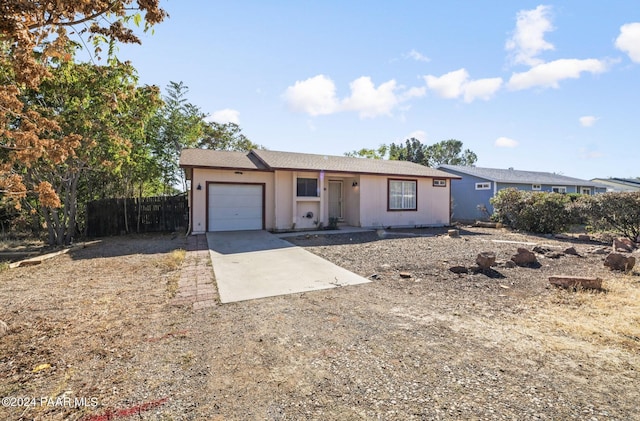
(535, 86)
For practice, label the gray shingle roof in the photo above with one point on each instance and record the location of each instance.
(518, 176)
(618, 184)
(219, 159)
(275, 160)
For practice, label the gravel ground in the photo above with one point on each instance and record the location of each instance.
(436, 345)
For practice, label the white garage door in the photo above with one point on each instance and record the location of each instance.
(235, 207)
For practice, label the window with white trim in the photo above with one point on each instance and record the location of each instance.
(483, 186)
(438, 182)
(561, 189)
(536, 187)
(403, 194)
(307, 187)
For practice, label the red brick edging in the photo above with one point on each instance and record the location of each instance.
(196, 285)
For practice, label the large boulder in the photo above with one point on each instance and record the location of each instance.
(572, 251)
(524, 257)
(453, 233)
(486, 259)
(623, 244)
(617, 261)
(574, 282)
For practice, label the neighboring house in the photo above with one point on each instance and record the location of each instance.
(618, 184)
(472, 193)
(283, 191)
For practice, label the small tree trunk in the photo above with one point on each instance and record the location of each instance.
(72, 207)
(58, 227)
(139, 208)
(126, 219)
(50, 228)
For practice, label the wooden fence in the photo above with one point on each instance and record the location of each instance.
(148, 214)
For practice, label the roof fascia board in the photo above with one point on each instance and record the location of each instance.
(449, 176)
(210, 167)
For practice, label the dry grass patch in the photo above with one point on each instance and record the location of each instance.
(171, 262)
(603, 319)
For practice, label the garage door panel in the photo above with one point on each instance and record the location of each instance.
(242, 201)
(235, 207)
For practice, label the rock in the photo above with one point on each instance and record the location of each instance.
(623, 244)
(486, 259)
(541, 250)
(4, 328)
(584, 237)
(459, 269)
(616, 261)
(485, 224)
(374, 276)
(524, 257)
(453, 233)
(385, 266)
(575, 282)
(510, 264)
(571, 251)
(563, 237)
(553, 254)
(405, 275)
(599, 250)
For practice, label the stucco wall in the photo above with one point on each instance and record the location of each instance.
(199, 197)
(364, 204)
(283, 200)
(432, 204)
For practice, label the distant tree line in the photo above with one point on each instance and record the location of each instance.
(444, 152)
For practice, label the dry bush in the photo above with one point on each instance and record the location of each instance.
(172, 261)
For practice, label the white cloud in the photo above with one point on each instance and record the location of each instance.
(629, 40)
(505, 142)
(421, 135)
(370, 101)
(417, 56)
(448, 85)
(317, 96)
(481, 88)
(457, 84)
(225, 116)
(588, 120)
(548, 75)
(314, 96)
(528, 37)
(415, 92)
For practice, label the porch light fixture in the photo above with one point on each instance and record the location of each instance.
(354, 184)
(199, 187)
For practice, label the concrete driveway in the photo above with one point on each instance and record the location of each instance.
(257, 264)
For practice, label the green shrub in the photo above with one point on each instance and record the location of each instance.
(538, 212)
(617, 211)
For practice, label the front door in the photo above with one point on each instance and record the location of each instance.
(335, 199)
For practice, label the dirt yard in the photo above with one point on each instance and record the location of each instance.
(93, 336)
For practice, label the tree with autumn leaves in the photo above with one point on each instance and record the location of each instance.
(72, 132)
(59, 119)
